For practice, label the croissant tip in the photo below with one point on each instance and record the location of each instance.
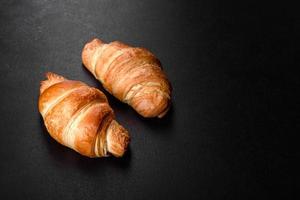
(163, 113)
(117, 139)
(152, 105)
(93, 41)
(48, 74)
(52, 78)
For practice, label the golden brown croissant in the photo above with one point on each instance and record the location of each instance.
(131, 74)
(79, 117)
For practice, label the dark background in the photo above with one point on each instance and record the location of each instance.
(230, 130)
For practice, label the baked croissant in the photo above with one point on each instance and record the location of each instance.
(131, 74)
(79, 117)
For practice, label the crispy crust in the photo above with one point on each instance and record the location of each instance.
(131, 74)
(78, 116)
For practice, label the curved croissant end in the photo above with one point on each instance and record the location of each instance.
(79, 117)
(51, 80)
(131, 74)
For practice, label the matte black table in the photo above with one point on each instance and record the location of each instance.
(228, 134)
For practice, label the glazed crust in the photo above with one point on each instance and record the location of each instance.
(79, 116)
(131, 74)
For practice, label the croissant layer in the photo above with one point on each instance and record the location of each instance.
(132, 74)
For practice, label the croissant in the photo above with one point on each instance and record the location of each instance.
(79, 117)
(131, 74)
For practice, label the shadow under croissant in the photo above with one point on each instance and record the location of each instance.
(69, 157)
(163, 124)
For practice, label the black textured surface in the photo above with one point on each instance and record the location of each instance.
(227, 135)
